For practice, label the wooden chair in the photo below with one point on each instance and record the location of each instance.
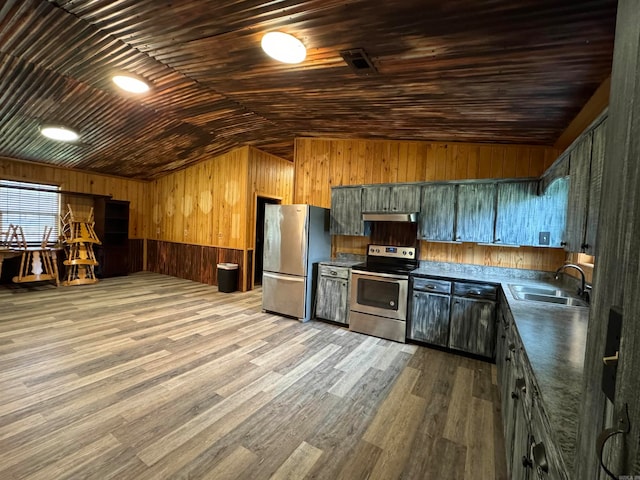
(38, 264)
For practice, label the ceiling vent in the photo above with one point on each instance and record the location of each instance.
(359, 61)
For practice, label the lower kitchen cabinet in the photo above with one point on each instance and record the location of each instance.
(473, 319)
(465, 321)
(473, 326)
(332, 294)
(545, 455)
(430, 308)
(531, 452)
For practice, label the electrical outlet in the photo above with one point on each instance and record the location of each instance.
(543, 238)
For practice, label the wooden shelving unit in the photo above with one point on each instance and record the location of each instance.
(112, 227)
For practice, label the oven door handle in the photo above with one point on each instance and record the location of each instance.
(376, 274)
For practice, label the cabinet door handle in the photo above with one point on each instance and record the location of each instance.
(563, 244)
(540, 457)
(612, 360)
(584, 246)
(333, 272)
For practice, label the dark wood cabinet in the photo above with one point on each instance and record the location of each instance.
(476, 212)
(492, 212)
(516, 214)
(525, 218)
(578, 193)
(586, 165)
(473, 320)
(460, 322)
(530, 448)
(112, 228)
(346, 211)
(595, 187)
(545, 456)
(438, 212)
(390, 198)
(332, 294)
(551, 212)
(430, 311)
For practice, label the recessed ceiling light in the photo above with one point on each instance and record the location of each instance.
(130, 84)
(56, 132)
(283, 47)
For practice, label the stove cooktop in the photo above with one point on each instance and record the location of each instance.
(389, 259)
(382, 268)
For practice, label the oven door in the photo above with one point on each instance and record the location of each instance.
(381, 294)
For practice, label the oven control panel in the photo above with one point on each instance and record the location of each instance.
(391, 251)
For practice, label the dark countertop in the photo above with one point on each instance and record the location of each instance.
(554, 338)
(340, 263)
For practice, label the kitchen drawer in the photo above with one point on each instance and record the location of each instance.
(431, 285)
(475, 290)
(336, 272)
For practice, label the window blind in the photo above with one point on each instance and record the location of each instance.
(31, 209)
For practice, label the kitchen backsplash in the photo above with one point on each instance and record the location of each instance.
(527, 258)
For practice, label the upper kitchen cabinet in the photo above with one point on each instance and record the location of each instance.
(516, 213)
(527, 219)
(476, 212)
(551, 213)
(438, 212)
(595, 186)
(390, 198)
(585, 172)
(578, 194)
(346, 216)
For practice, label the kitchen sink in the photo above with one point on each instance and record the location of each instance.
(546, 295)
(518, 290)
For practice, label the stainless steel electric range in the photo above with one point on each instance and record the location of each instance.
(379, 292)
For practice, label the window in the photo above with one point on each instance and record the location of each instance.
(32, 206)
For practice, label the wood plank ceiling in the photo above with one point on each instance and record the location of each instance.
(465, 70)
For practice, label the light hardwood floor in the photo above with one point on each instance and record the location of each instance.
(150, 377)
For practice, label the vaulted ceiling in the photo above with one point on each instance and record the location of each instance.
(461, 70)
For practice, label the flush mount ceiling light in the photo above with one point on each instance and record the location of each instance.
(57, 132)
(283, 47)
(130, 83)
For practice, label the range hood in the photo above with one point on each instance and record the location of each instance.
(390, 217)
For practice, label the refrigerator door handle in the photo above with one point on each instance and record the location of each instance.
(288, 278)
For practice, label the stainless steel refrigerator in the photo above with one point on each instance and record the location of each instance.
(295, 238)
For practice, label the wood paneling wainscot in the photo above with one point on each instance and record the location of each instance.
(135, 191)
(213, 203)
(324, 163)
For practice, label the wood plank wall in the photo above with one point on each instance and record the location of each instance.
(203, 204)
(134, 191)
(323, 163)
(213, 203)
(269, 176)
(136, 255)
(193, 262)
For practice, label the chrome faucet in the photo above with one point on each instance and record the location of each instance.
(582, 290)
